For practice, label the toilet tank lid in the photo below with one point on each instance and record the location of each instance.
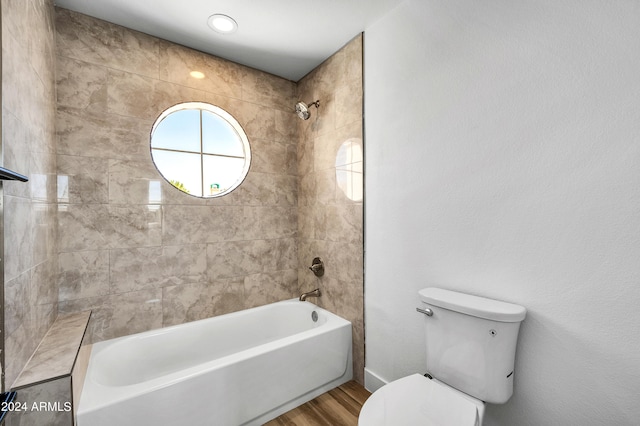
(476, 306)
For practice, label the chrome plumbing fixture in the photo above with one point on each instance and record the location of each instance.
(302, 109)
(317, 267)
(314, 293)
(428, 312)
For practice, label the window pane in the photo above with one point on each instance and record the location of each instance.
(218, 137)
(181, 169)
(220, 173)
(179, 130)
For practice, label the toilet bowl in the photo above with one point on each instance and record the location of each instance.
(417, 400)
(470, 354)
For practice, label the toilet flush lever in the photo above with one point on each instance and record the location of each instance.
(428, 312)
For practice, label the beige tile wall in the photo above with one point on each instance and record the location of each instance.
(329, 222)
(138, 262)
(28, 146)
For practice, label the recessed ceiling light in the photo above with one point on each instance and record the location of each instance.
(197, 74)
(222, 24)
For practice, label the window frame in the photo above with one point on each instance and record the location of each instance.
(230, 120)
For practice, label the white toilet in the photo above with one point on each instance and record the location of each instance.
(471, 347)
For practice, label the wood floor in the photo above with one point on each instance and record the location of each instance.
(338, 407)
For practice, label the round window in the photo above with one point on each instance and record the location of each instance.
(200, 149)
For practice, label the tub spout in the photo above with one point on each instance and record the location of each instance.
(314, 293)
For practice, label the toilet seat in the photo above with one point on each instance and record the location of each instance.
(417, 400)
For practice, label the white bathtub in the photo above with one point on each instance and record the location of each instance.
(243, 368)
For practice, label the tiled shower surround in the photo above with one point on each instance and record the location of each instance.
(28, 146)
(143, 258)
(330, 189)
(142, 254)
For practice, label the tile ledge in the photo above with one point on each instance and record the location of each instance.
(56, 354)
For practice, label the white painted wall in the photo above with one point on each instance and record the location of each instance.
(503, 160)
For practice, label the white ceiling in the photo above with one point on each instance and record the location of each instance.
(288, 38)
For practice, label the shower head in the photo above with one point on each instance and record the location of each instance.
(302, 109)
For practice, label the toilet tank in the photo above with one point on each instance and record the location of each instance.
(471, 342)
